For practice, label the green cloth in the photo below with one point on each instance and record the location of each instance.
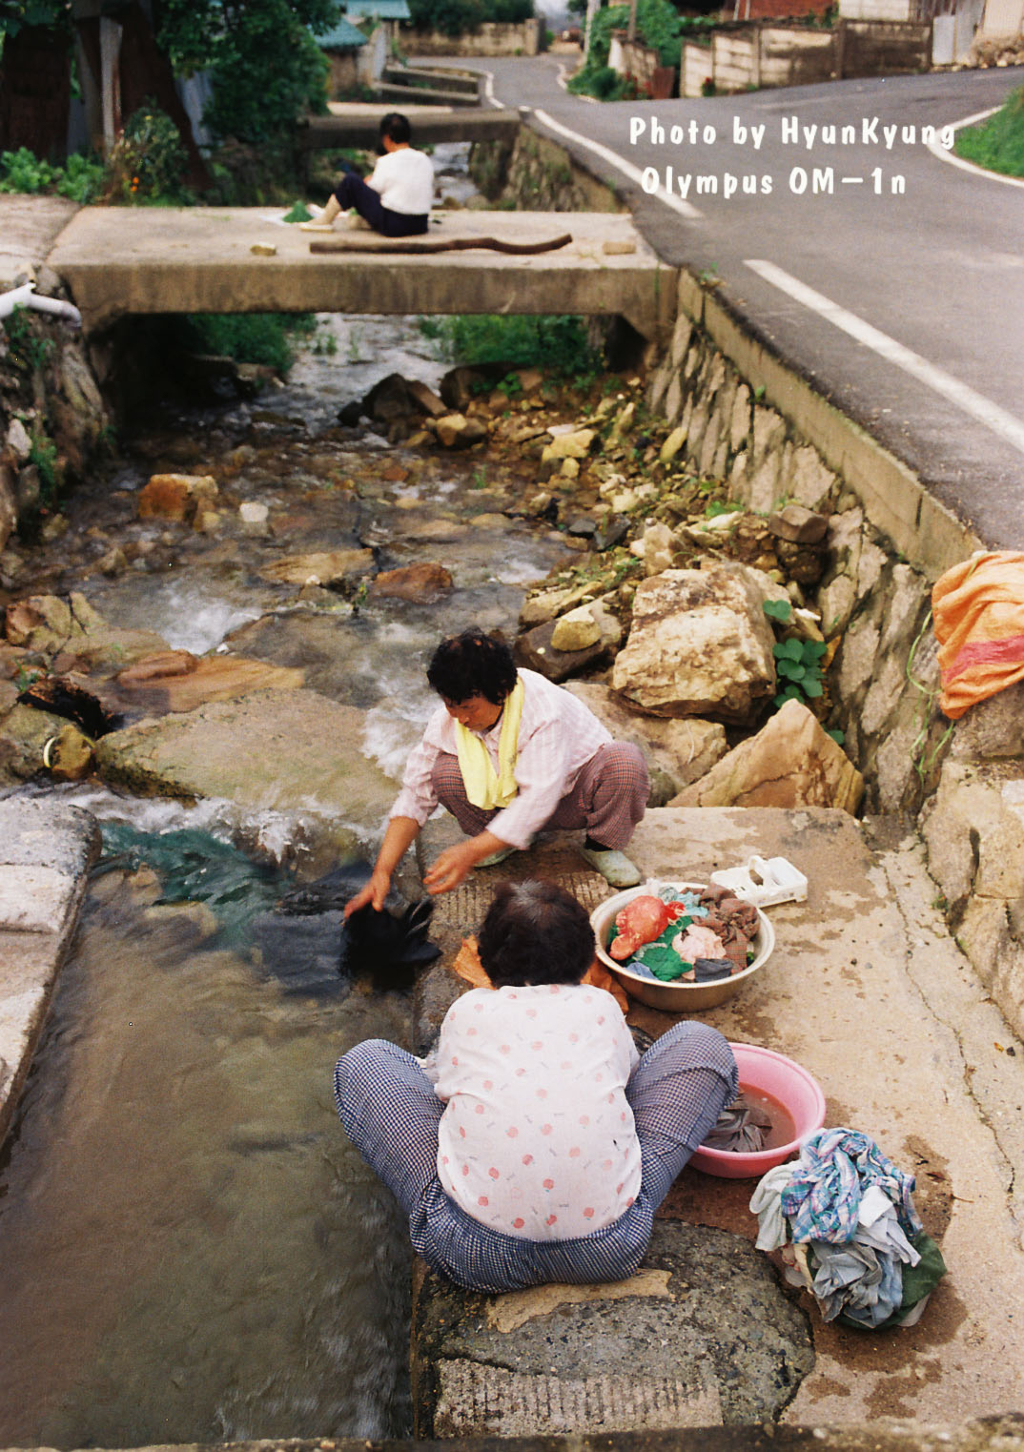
(918, 1281)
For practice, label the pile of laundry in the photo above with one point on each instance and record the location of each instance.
(689, 935)
(844, 1217)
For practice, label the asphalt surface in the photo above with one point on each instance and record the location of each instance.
(928, 254)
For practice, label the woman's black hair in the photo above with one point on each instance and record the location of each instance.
(534, 932)
(396, 126)
(472, 664)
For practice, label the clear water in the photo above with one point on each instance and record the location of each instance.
(191, 1249)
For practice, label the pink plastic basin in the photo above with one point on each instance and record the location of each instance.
(765, 1072)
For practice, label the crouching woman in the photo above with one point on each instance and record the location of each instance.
(535, 1144)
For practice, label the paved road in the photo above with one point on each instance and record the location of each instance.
(908, 246)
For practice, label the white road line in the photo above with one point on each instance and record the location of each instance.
(944, 155)
(489, 88)
(685, 209)
(990, 414)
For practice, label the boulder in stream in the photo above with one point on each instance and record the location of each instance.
(791, 762)
(418, 583)
(320, 567)
(288, 751)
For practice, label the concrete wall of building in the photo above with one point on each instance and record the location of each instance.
(764, 55)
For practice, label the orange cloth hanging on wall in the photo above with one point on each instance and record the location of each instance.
(978, 610)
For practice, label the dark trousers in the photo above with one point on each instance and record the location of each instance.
(352, 191)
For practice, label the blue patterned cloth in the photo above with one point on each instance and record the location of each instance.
(856, 1281)
(835, 1168)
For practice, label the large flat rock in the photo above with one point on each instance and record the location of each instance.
(701, 1336)
(288, 751)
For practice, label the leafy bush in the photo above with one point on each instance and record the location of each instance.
(148, 162)
(247, 337)
(266, 69)
(22, 171)
(999, 143)
(82, 180)
(558, 344)
(657, 25)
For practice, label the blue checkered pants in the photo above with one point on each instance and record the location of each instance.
(389, 1108)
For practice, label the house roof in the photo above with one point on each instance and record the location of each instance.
(383, 9)
(342, 36)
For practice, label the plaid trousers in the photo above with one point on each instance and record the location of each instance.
(608, 797)
(389, 1108)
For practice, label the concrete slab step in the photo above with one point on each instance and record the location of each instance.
(46, 850)
(865, 989)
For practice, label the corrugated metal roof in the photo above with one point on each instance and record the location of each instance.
(342, 36)
(383, 9)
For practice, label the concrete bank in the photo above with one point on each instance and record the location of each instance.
(866, 989)
(46, 850)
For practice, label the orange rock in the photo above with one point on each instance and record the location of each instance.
(175, 496)
(412, 582)
(158, 665)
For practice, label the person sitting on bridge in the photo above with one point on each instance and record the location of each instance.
(397, 197)
(534, 1144)
(509, 753)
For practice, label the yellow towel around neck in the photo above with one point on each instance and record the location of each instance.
(486, 787)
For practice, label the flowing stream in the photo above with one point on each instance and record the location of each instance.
(190, 1250)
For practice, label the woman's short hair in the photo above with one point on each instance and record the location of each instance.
(396, 127)
(534, 932)
(472, 664)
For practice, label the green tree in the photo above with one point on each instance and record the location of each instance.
(265, 66)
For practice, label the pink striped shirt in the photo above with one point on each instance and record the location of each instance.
(557, 737)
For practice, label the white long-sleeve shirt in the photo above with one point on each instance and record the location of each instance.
(405, 181)
(557, 737)
(537, 1139)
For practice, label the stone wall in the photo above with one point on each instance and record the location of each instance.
(491, 38)
(536, 175)
(873, 605)
(52, 417)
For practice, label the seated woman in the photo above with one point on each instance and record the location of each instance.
(509, 753)
(396, 198)
(534, 1145)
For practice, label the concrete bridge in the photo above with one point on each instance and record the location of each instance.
(117, 262)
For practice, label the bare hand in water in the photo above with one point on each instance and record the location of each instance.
(374, 893)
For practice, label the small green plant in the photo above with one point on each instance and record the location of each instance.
(261, 338)
(716, 507)
(998, 144)
(23, 171)
(24, 678)
(798, 664)
(479, 477)
(778, 609)
(558, 344)
(43, 454)
(28, 349)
